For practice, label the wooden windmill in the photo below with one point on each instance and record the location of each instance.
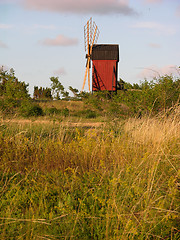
(91, 34)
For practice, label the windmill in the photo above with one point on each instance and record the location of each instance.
(91, 34)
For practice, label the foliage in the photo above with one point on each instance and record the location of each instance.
(10, 87)
(151, 97)
(15, 97)
(29, 109)
(42, 93)
(88, 113)
(119, 181)
(58, 89)
(75, 91)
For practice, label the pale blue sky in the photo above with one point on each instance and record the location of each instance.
(40, 39)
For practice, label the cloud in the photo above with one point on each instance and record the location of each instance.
(2, 45)
(82, 6)
(9, 1)
(5, 26)
(153, 1)
(46, 27)
(60, 40)
(154, 45)
(178, 11)
(154, 71)
(60, 71)
(158, 27)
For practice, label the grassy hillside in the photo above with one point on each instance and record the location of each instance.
(118, 180)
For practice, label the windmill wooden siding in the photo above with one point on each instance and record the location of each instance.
(105, 60)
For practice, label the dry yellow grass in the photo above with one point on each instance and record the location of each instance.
(118, 180)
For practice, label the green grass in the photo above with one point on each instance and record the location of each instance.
(116, 181)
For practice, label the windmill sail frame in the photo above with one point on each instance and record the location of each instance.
(91, 34)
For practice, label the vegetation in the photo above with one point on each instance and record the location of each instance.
(146, 98)
(14, 97)
(100, 166)
(58, 89)
(118, 181)
(42, 93)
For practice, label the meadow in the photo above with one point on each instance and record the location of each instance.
(118, 179)
(92, 166)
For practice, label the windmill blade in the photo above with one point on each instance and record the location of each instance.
(94, 38)
(88, 33)
(91, 34)
(94, 28)
(89, 78)
(87, 71)
(90, 30)
(88, 37)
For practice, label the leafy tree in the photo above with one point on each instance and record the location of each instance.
(15, 97)
(167, 91)
(11, 87)
(42, 93)
(65, 94)
(75, 91)
(57, 87)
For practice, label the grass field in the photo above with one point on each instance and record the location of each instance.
(116, 179)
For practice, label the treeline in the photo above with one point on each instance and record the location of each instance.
(15, 97)
(153, 96)
(42, 93)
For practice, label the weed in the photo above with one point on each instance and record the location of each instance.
(117, 181)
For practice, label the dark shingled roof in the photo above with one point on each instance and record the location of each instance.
(105, 52)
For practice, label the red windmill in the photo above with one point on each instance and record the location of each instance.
(105, 58)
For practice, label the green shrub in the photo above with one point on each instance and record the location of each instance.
(65, 112)
(88, 113)
(51, 111)
(29, 109)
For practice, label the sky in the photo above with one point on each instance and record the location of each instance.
(44, 38)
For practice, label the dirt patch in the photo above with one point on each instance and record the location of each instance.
(70, 124)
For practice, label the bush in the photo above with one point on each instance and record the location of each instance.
(90, 114)
(8, 105)
(65, 112)
(51, 111)
(29, 109)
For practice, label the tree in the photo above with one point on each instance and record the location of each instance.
(57, 87)
(14, 95)
(42, 93)
(74, 91)
(11, 87)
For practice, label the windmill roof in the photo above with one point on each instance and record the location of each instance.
(105, 52)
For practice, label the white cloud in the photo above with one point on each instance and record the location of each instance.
(153, 1)
(82, 6)
(178, 11)
(60, 71)
(5, 26)
(158, 27)
(46, 27)
(2, 45)
(154, 45)
(9, 1)
(154, 71)
(60, 40)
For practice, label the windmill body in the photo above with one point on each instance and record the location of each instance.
(105, 58)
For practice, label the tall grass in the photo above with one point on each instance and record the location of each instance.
(116, 181)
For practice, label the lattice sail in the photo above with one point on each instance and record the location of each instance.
(91, 34)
